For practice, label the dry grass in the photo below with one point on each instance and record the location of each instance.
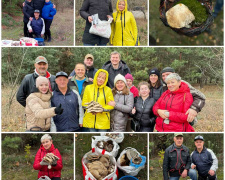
(209, 120)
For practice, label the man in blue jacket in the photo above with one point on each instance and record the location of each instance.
(204, 160)
(71, 120)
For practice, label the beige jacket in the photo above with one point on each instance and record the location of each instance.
(38, 111)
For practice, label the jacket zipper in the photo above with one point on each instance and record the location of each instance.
(122, 27)
(96, 101)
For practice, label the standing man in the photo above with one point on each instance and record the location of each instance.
(114, 67)
(90, 70)
(29, 81)
(198, 97)
(79, 81)
(204, 160)
(177, 162)
(71, 120)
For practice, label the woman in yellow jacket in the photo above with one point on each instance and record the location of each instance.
(98, 92)
(124, 28)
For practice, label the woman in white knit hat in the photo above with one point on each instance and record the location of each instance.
(38, 110)
(123, 104)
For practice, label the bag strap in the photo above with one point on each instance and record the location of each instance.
(184, 96)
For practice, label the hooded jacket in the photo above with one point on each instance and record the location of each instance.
(48, 12)
(135, 91)
(124, 28)
(177, 103)
(38, 4)
(55, 171)
(28, 11)
(101, 94)
(123, 69)
(38, 111)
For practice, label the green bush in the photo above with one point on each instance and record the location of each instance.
(11, 145)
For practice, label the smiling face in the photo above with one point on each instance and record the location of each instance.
(80, 71)
(120, 85)
(61, 82)
(46, 143)
(165, 74)
(41, 68)
(129, 82)
(101, 78)
(178, 140)
(153, 78)
(36, 15)
(88, 62)
(43, 88)
(115, 59)
(144, 91)
(47, 0)
(121, 5)
(199, 144)
(173, 85)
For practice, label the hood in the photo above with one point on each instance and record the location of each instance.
(117, 8)
(48, 75)
(121, 64)
(183, 88)
(50, 150)
(96, 75)
(47, 3)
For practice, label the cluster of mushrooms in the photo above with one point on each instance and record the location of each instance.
(99, 166)
(50, 158)
(113, 135)
(94, 107)
(130, 154)
(106, 145)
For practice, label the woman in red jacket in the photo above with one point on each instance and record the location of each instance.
(54, 173)
(171, 107)
(129, 78)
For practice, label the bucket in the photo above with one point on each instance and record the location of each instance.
(128, 178)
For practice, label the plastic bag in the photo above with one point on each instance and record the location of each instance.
(101, 28)
(88, 176)
(44, 178)
(95, 140)
(129, 170)
(119, 139)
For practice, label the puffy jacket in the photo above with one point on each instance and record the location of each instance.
(28, 83)
(170, 161)
(119, 116)
(38, 4)
(123, 69)
(28, 11)
(144, 113)
(134, 90)
(90, 73)
(72, 114)
(124, 28)
(101, 94)
(55, 171)
(204, 161)
(37, 25)
(156, 92)
(48, 12)
(177, 103)
(89, 8)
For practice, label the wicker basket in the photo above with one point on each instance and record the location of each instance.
(165, 5)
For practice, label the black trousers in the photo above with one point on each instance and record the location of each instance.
(48, 23)
(56, 178)
(25, 30)
(208, 176)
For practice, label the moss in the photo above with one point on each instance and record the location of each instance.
(197, 9)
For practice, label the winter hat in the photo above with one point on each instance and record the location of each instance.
(129, 76)
(119, 77)
(154, 71)
(41, 80)
(167, 69)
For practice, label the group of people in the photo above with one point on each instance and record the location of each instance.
(59, 103)
(178, 162)
(38, 17)
(124, 31)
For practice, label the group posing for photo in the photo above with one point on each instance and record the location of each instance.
(101, 100)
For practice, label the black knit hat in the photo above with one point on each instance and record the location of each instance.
(167, 69)
(154, 71)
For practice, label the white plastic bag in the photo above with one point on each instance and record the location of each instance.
(128, 170)
(119, 139)
(89, 176)
(101, 28)
(44, 178)
(95, 140)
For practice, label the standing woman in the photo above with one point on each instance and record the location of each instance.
(156, 88)
(142, 110)
(124, 28)
(28, 14)
(98, 92)
(129, 78)
(39, 164)
(123, 104)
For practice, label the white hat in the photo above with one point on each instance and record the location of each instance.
(119, 77)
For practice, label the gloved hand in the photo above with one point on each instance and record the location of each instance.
(54, 163)
(42, 163)
(59, 110)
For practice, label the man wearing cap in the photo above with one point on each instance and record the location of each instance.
(114, 67)
(79, 81)
(198, 97)
(177, 162)
(71, 120)
(36, 26)
(204, 160)
(90, 70)
(29, 81)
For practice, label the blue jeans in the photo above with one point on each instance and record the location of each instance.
(218, 7)
(94, 44)
(192, 173)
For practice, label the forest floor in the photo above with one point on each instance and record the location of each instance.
(210, 119)
(137, 141)
(62, 28)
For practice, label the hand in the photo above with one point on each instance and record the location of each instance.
(108, 16)
(191, 114)
(193, 166)
(42, 35)
(30, 31)
(90, 19)
(23, 4)
(133, 110)
(162, 114)
(30, 18)
(54, 163)
(70, 77)
(112, 103)
(211, 172)
(81, 125)
(90, 79)
(43, 163)
(54, 6)
(59, 110)
(184, 173)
